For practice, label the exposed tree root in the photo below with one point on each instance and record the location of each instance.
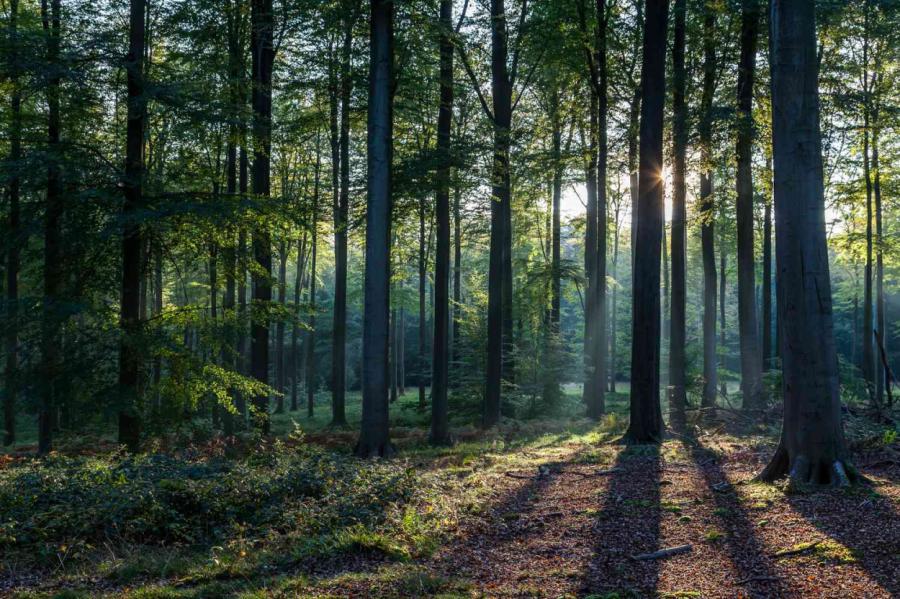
(805, 474)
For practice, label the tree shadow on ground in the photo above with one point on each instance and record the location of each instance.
(628, 524)
(754, 566)
(865, 523)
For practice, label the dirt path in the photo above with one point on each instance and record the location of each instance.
(566, 530)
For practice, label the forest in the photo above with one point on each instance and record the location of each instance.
(449, 298)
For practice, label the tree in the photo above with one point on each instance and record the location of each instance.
(707, 210)
(14, 240)
(751, 366)
(374, 437)
(262, 51)
(646, 416)
(311, 375)
(440, 431)
(132, 240)
(677, 334)
(812, 448)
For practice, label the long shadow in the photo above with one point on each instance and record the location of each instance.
(865, 523)
(628, 524)
(744, 549)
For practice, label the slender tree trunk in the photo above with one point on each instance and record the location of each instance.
(214, 310)
(880, 372)
(392, 344)
(646, 416)
(767, 286)
(263, 57)
(707, 212)
(614, 310)
(868, 344)
(342, 210)
(280, 379)
(600, 358)
(14, 235)
(421, 364)
(296, 369)
(311, 362)
(129, 352)
(751, 366)
(589, 391)
(242, 349)
(401, 351)
(812, 447)
(53, 251)
(440, 428)
(374, 432)
(457, 276)
(723, 357)
(499, 317)
(677, 333)
(551, 366)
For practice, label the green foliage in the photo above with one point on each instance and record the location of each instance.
(68, 506)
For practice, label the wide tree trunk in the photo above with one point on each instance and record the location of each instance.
(263, 58)
(677, 334)
(129, 352)
(14, 240)
(53, 251)
(499, 317)
(646, 425)
(374, 431)
(440, 428)
(748, 327)
(812, 448)
(707, 213)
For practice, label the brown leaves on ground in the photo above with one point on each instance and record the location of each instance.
(567, 532)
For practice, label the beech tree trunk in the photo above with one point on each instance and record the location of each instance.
(812, 448)
(374, 437)
(880, 372)
(440, 428)
(707, 212)
(646, 425)
(53, 251)
(767, 288)
(14, 241)
(421, 365)
(311, 363)
(129, 353)
(279, 327)
(677, 379)
(263, 58)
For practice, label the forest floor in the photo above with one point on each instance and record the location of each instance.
(553, 508)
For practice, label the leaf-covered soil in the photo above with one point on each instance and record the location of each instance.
(562, 510)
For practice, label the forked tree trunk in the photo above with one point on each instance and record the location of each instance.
(677, 360)
(646, 425)
(751, 361)
(129, 360)
(374, 437)
(812, 448)
(440, 429)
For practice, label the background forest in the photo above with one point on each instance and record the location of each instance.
(197, 218)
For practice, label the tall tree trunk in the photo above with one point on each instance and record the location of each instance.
(880, 371)
(812, 448)
(707, 212)
(868, 344)
(342, 210)
(296, 369)
(129, 353)
(374, 432)
(279, 327)
(401, 351)
(551, 367)
(590, 393)
(677, 333)
(614, 309)
(723, 357)
(262, 50)
(499, 318)
(599, 354)
(214, 310)
(440, 427)
(242, 350)
(392, 345)
(14, 236)
(53, 251)
(421, 365)
(767, 284)
(646, 416)
(457, 276)
(311, 365)
(751, 366)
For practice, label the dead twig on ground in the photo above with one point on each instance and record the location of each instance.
(663, 553)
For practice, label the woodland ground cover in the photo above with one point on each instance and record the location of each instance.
(546, 507)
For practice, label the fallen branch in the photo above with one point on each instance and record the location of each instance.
(799, 550)
(758, 579)
(516, 475)
(663, 553)
(598, 473)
